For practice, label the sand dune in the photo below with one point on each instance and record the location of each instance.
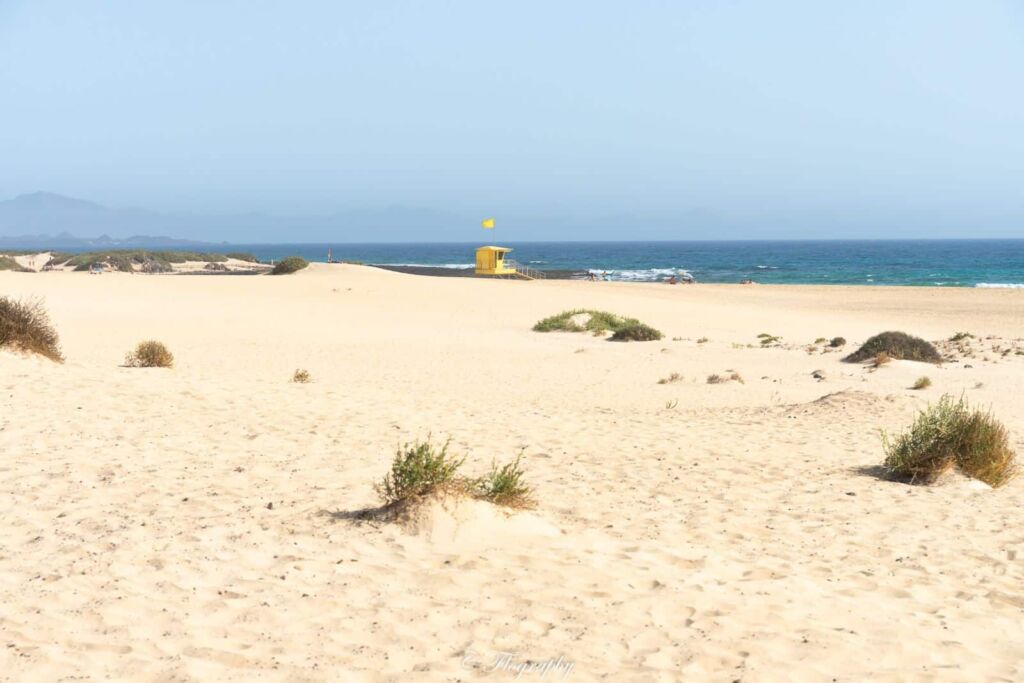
(195, 523)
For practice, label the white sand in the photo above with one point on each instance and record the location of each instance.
(192, 524)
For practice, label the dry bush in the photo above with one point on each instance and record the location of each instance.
(149, 354)
(880, 359)
(674, 377)
(301, 377)
(898, 345)
(949, 434)
(25, 326)
(922, 383)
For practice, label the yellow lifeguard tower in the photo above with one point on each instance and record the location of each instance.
(491, 261)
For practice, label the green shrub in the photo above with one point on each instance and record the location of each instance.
(25, 326)
(598, 322)
(288, 265)
(898, 345)
(149, 354)
(768, 339)
(417, 470)
(960, 336)
(504, 485)
(949, 434)
(636, 331)
(566, 321)
(922, 383)
(836, 342)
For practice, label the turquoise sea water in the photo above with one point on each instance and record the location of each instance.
(930, 263)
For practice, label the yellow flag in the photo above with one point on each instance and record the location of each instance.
(488, 223)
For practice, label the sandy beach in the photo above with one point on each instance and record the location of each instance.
(197, 523)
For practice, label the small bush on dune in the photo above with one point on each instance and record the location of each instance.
(25, 326)
(922, 383)
(580, 320)
(301, 377)
(836, 342)
(149, 354)
(598, 322)
(504, 485)
(421, 469)
(898, 345)
(880, 359)
(674, 377)
(417, 470)
(949, 434)
(289, 265)
(636, 331)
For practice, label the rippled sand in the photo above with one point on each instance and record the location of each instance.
(196, 523)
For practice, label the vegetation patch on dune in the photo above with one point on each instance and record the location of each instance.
(598, 323)
(421, 470)
(301, 377)
(25, 326)
(149, 354)
(504, 485)
(130, 260)
(722, 379)
(898, 345)
(242, 256)
(949, 434)
(288, 265)
(9, 263)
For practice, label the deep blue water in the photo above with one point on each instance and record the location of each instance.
(944, 263)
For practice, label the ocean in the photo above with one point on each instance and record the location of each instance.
(928, 263)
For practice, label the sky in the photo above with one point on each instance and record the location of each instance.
(564, 120)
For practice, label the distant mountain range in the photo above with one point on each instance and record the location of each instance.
(47, 220)
(52, 221)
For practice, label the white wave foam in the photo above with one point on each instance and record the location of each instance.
(642, 275)
(1000, 285)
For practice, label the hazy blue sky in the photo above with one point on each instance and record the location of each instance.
(734, 118)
